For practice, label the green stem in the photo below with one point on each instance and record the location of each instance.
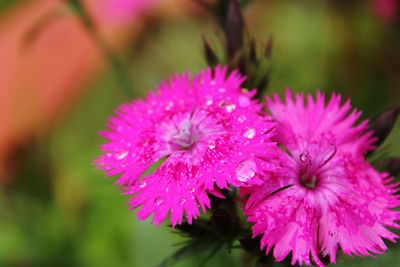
(119, 68)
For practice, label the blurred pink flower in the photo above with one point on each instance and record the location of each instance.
(207, 130)
(31, 100)
(323, 193)
(385, 9)
(123, 10)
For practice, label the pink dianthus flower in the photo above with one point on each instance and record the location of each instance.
(322, 193)
(205, 133)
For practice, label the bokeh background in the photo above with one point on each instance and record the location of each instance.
(57, 88)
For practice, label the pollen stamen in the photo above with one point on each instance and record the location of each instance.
(330, 155)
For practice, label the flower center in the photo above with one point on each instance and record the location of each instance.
(311, 167)
(308, 178)
(308, 181)
(186, 131)
(186, 136)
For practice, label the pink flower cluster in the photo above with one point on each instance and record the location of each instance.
(300, 164)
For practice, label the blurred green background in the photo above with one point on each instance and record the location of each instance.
(59, 211)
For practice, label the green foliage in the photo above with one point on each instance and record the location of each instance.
(6, 4)
(390, 148)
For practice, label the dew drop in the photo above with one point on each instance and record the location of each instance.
(145, 143)
(142, 184)
(158, 201)
(122, 155)
(192, 190)
(211, 144)
(209, 102)
(127, 193)
(246, 170)
(169, 105)
(249, 133)
(243, 101)
(212, 82)
(241, 118)
(230, 107)
(182, 201)
(222, 90)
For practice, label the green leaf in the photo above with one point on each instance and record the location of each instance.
(195, 246)
(390, 148)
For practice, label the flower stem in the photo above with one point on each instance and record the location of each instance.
(118, 67)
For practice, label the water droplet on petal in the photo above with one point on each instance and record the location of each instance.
(211, 144)
(241, 118)
(182, 201)
(230, 107)
(222, 90)
(158, 201)
(192, 190)
(145, 143)
(209, 102)
(169, 105)
(249, 133)
(212, 82)
(122, 155)
(246, 170)
(142, 184)
(126, 193)
(243, 101)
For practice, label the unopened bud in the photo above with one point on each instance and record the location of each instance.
(384, 123)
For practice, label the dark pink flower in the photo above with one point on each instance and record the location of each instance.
(191, 137)
(385, 10)
(121, 11)
(322, 194)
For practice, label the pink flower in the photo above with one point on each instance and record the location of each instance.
(322, 193)
(385, 10)
(121, 11)
(191, 137)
